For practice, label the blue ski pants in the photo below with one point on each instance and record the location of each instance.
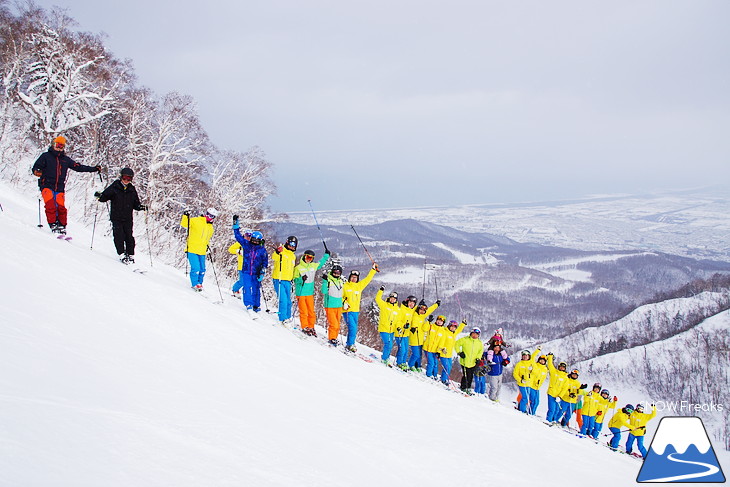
(446, 364)
(566, 410)
(283, 291)
(639, 444)
(524, 399)
(480, 384)
(351, 318)
(616, 439)
(239, 283)
(415, 359)
(553, 409)
(402, 355)
(197, 268)
(588, 424)
(597, 427)
(534, 400)
(387, 344)
(251, 292)
(431, 364)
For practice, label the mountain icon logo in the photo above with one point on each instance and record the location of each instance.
(681, 452)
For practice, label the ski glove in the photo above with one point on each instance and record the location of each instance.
(430, 318)
(304, 278)
(98, 168)
(583, 386)
(407, 325)
(382, 288)
(414, 330)
(438, 302)
(142, 208)
(235, 226)
(505, 362)
(261, 277)
(461, 354)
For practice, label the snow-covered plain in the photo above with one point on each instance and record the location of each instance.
(110, 377)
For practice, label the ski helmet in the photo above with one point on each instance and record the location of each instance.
(605, 391)
(574, 371)
(211, 213)
(59, 140)
(563, 365)
(291, 242)
(639, 408)
(412, 298)
(257, 238)
(629, 408)
(355, 273)
(126, 172)
(542, 357)
(526, 352)
(393, 295)
(453, 323)
(309, 253)
(336, 268)
(442, 318)
(597, 385)
(476, 330)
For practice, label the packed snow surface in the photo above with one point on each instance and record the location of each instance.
(116, 378)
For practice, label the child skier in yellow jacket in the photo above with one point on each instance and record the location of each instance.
(638, 420)
(558, 379)
(433, 333)
(569, 397)
(605, 402)
(619, 420)
(389, 311)
(407, 309)
(417, 333)
(200, 231)
(352, 295)
(445, 348)
(522, 373)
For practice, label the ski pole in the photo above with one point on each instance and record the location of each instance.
(147, 231)
(423, 287)
(315, 221)
(436, 283)
(212, 264)
(40, 225)
(363, 245)
(93, 232)
(266, 301)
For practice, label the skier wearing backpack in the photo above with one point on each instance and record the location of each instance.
(200, 231)
(402, 330)
(51, 168)
(351, 303)
(558, 379)
(417, 333)
(469, 349)
(304, 289)
(333, 292)
(255, 262)
(124, 199)
(387, 320)
(638, 420)
(282, 273)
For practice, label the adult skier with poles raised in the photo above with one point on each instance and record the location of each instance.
(199, 232)
(124, 199)
(52, 168)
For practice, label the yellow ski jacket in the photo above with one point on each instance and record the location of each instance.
(352, 293)
(388, 314)
(199, 235)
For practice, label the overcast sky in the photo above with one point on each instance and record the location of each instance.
(417, 103)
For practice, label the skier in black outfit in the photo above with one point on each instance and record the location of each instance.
(124, 199)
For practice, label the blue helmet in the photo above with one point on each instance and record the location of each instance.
(257, 238)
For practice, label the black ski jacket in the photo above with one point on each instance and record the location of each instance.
(54, 166)
(123, 201)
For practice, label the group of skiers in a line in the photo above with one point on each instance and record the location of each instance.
(566, 395)
(408, 325)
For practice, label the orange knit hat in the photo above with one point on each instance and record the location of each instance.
(60, 140)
